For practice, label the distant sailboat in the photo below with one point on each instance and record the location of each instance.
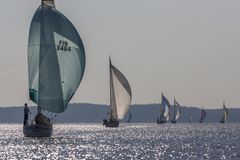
(176, 111)
(120, 97)
(129, 117)
(56, 64)
(203, 116)
(225, 114)
(190, 118)
(164, 111)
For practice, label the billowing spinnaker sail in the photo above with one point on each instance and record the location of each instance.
(56, 59)
(165, 106)
(122, 92)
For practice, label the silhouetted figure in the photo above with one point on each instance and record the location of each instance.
(26, 111)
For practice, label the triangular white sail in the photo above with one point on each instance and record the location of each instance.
(225, 115)
(177, 110)
(120, 93)
(56, 59)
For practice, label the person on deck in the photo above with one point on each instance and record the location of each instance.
(26, 111)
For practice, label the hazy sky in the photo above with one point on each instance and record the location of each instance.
(187, 49)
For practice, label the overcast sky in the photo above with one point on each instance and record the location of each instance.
(186, 49)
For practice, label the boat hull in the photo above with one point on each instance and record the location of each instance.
(111, 123)
(37, 131)
(161, 121)
(173, 121)
(222, 121)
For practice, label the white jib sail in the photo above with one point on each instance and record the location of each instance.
(178, 108)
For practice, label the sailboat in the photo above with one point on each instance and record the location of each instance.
(225, 114)
(129, 117)
(56, 64)
(120, 97)
(190, 118)
(176, 111)
(164, 111)
(203, 116)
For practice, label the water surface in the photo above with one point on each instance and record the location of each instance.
(129, 141)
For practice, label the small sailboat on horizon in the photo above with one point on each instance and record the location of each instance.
(120, 97)
(56, 64)
(225, 114)
(190, 118)
(176, 111)
(203, 115)
(164, 110)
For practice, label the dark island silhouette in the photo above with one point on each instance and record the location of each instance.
(94, 113)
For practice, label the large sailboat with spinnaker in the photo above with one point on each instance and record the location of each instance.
(56, 64)
(120, 97)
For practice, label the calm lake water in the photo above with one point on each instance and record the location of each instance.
(129, 141)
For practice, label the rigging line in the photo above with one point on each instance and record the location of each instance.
(54, 117)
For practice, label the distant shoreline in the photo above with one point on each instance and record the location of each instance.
(95, 113)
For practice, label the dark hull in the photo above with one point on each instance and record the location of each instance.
(161, 121)
(222, 121)
(37, 130)
(173, 121)
(111, 123)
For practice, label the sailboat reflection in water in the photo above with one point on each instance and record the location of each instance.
(56, 64)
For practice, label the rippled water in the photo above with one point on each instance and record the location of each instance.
(129, 141)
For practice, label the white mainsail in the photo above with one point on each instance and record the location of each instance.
(120, 93)
(225, 112)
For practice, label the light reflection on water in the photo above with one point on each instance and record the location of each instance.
(129, 141)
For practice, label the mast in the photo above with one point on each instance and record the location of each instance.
(49, 2)
(112, 95)
(111, 85)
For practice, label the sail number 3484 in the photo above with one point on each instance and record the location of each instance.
(63, 46)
